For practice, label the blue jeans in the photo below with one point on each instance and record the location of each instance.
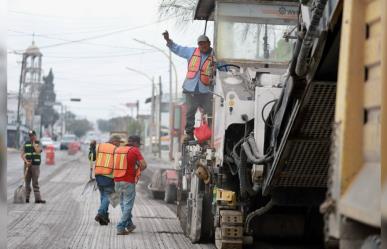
(127, 192)
(105, 188)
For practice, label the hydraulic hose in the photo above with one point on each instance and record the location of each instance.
(297, 49)
(251, 157)
(229, 161)
(244, 183)
(234, 154)
(253, 146)
(311, 34)
(256, 213)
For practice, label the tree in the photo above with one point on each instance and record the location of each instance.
(125, 123)
(182, 10)
(46, 101)
(79, 127)
(104, 125)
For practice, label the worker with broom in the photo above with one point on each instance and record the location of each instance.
(30, 154)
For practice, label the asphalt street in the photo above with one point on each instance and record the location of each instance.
(67, 220)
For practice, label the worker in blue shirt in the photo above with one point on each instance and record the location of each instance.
(198, 79)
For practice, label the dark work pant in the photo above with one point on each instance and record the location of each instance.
(194, 101)
(33, 175)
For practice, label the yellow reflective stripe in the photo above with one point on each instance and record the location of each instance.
(207, 66)
(28, 145)
(193, 62)
(107, 160)
(99, 159)
(122, 161)
(28, 154)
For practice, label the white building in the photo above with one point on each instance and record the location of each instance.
(12, 102)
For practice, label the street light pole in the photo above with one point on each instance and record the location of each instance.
(159, 121)
(171, 64)
(63, 111)
(153, 107)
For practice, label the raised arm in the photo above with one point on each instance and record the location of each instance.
(184, 52)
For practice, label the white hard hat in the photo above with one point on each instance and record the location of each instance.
(203, 38)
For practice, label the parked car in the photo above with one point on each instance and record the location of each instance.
(164, 185)
(66, 140)
(57, 145)
(45, 141)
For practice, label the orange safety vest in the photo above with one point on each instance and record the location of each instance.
(105, 159)
(206, 71)
(121, 166)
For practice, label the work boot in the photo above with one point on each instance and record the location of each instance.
(131, 228)
(39, 201)
(107, 218)
(27, 200)
(123, 232)
(101, 219)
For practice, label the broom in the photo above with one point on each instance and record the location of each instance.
(20, 195)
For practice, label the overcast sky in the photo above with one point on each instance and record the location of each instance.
(94, 70)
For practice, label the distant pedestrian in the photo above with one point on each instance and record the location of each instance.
(31, 155)
(104, 176)
(128, 164)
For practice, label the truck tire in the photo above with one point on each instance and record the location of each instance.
(170, 193)
(372, 242)
(208, 230)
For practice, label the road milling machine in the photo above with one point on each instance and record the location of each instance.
(265, 172)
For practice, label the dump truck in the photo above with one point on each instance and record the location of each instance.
(353, 207)
(283, 145)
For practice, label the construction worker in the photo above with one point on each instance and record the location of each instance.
(128, 164)
(92, 156)
(30, 154)
(198, 78)
(104, 176)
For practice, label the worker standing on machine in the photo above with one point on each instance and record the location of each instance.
(198, 79)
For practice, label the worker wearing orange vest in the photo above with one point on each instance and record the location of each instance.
(128, 164)
(104, 165)
(198, 79)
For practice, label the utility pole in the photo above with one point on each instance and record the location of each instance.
(62, 119)
(171, 106)
(137, 108)
(19, 102)
(160, 102)
(153, 124)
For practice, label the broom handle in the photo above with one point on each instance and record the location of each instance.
(26, 168)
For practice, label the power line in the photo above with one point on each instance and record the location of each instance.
(60, 17)
(67, 40)
(97, 57)
(102, 35)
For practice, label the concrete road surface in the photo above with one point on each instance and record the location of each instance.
(67, 220)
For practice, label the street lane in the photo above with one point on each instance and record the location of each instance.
(67, 220)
